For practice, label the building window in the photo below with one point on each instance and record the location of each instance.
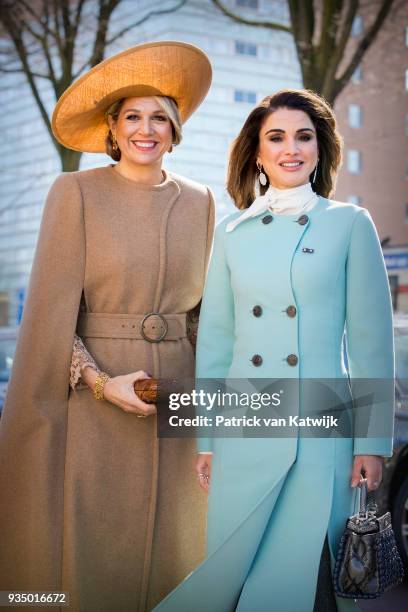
(357, 75)
(406, 213)
(253, 4)
(406, 125)
(357, 27)
(406, 36)
(241, 95)
(406, 80)
(354, 161)
(244, 48)
(355, 115)
(354, 199)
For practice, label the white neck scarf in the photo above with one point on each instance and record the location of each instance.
(279, 201)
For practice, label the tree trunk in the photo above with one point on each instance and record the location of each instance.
(69, 159)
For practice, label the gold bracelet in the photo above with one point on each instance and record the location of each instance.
(99, 385)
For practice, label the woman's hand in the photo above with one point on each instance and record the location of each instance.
(372, 467)
(119, 391)
(203, 469)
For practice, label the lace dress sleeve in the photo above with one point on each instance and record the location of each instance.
(193, 317)
(80, 359)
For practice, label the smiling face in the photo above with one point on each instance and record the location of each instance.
(143, 132)
(288, 148)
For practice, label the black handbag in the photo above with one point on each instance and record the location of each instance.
(368, 562)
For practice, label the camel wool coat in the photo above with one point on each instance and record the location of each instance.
(92, 502)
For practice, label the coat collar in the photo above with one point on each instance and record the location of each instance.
(290, 202)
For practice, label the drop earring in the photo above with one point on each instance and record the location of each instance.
(114, 143)
(315, 172)
(261, 176)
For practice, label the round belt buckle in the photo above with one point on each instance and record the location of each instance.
(163, 322)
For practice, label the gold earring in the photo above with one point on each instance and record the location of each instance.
(171, 149)
(114, 143)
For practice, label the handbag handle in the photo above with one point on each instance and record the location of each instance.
(363, 497)
(367, 500)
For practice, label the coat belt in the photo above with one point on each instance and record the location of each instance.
(152, 327)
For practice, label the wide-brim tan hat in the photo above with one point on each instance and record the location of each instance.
(175, 69)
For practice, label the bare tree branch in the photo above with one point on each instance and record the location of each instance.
(46, 48)
(37, 75)
(325, 44)
(95, 57)
(363, 46)
(259, 24)
(34, 15)
(66, 22)
(15, 33)
(57, 25)
(105, 12)
(321, 53)
(31, 30)
(145, 18)
(302, 19)
(77, 19)
(339, 48)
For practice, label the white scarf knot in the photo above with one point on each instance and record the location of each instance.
(279, 201)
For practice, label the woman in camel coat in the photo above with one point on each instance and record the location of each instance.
(93, 503)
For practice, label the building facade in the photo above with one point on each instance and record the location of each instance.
(373, 117)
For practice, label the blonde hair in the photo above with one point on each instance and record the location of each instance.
(167, 104)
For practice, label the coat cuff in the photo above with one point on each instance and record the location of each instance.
(204, 445)
(373, 446)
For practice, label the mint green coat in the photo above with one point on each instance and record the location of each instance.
(272, 501)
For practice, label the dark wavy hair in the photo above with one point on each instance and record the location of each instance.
(242, 170)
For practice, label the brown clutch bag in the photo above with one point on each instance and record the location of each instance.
(147, 390)
(152, 390)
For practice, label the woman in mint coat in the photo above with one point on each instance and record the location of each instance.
(290, 273)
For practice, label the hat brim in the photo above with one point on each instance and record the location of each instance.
(175, 69)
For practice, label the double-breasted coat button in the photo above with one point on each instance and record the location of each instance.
(267, 219)
(303, 220)
(257, 360)
(292, 360)
(257, 311)
(291, 311)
